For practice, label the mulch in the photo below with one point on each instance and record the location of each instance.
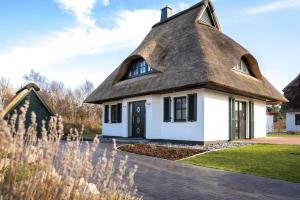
(169, 153)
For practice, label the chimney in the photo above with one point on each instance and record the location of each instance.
(166, 12)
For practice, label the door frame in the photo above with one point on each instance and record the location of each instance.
(130, 117)
(235, 120)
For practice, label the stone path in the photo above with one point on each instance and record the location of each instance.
(161, 179)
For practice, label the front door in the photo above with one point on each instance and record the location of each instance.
(138, 119)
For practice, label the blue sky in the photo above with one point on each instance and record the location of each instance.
(77, 40)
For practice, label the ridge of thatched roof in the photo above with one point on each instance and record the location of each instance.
(292, 93)
(186, 54)
(20, 95)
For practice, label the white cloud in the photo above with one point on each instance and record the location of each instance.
(106, 2)
(274, 6)
(82, 9)
(52, 50)
(183, 5)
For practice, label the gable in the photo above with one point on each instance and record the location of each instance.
(37, 104)
(207, 17)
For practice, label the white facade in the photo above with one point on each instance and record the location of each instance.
(291, 122)
(212, 122)
(270, 123)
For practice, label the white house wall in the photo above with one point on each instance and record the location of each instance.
(190, 131)
(260, 119)
(216, 112)
(290, 122)
(212, 117)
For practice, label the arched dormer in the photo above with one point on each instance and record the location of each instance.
(138, 67)
(249, 66)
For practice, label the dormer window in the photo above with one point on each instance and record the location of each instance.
(138, 68)
(243, 67)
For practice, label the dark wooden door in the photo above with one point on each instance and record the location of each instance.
(242, 120)
(138, 119)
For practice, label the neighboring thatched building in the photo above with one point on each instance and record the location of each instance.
(186, 81)
(292, 108)
(36, 104)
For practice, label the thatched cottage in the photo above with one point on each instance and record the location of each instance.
(292, 108)
(187, 81)
(30, 94)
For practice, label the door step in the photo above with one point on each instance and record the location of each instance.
(126, 140)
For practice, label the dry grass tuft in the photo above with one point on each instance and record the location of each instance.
(46, 168)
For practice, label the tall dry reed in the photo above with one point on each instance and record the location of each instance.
(47, 168)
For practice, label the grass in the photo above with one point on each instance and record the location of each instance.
(284, 135)
(267, 160)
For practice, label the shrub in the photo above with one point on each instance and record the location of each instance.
(47, 168)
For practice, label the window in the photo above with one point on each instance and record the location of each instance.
(207, 17)
(167, 109)
(243, 67)
(106, 113)
(180, 109)
(113, 114)
(297, 119)
(116, 113)
(138, 68)
(192, 107)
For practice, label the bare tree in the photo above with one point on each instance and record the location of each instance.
(67, 102)
(37, 78)
(6, 92)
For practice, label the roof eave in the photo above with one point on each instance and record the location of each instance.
(209, 85)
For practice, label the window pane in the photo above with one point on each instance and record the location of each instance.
(119, 113)
(183, 114)
(180, 109)
(138, 68)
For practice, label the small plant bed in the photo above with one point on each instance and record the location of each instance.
(169, 153)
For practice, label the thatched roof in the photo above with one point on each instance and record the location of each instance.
(292, 93)
(20, 95)
(187, 54)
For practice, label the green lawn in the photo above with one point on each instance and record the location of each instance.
(274, 161)
(284, 135)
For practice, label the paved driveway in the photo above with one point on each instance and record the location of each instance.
(276, 140)
(161, 179)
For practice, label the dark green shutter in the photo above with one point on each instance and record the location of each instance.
(251, 120)
(231, 119)
(106, 113)
(192, 107)
(167, 109)
(119, 115)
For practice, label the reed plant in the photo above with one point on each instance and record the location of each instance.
(49, 168)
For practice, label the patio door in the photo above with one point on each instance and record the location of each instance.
(137, 119)
(242, 119)
(238, 120)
